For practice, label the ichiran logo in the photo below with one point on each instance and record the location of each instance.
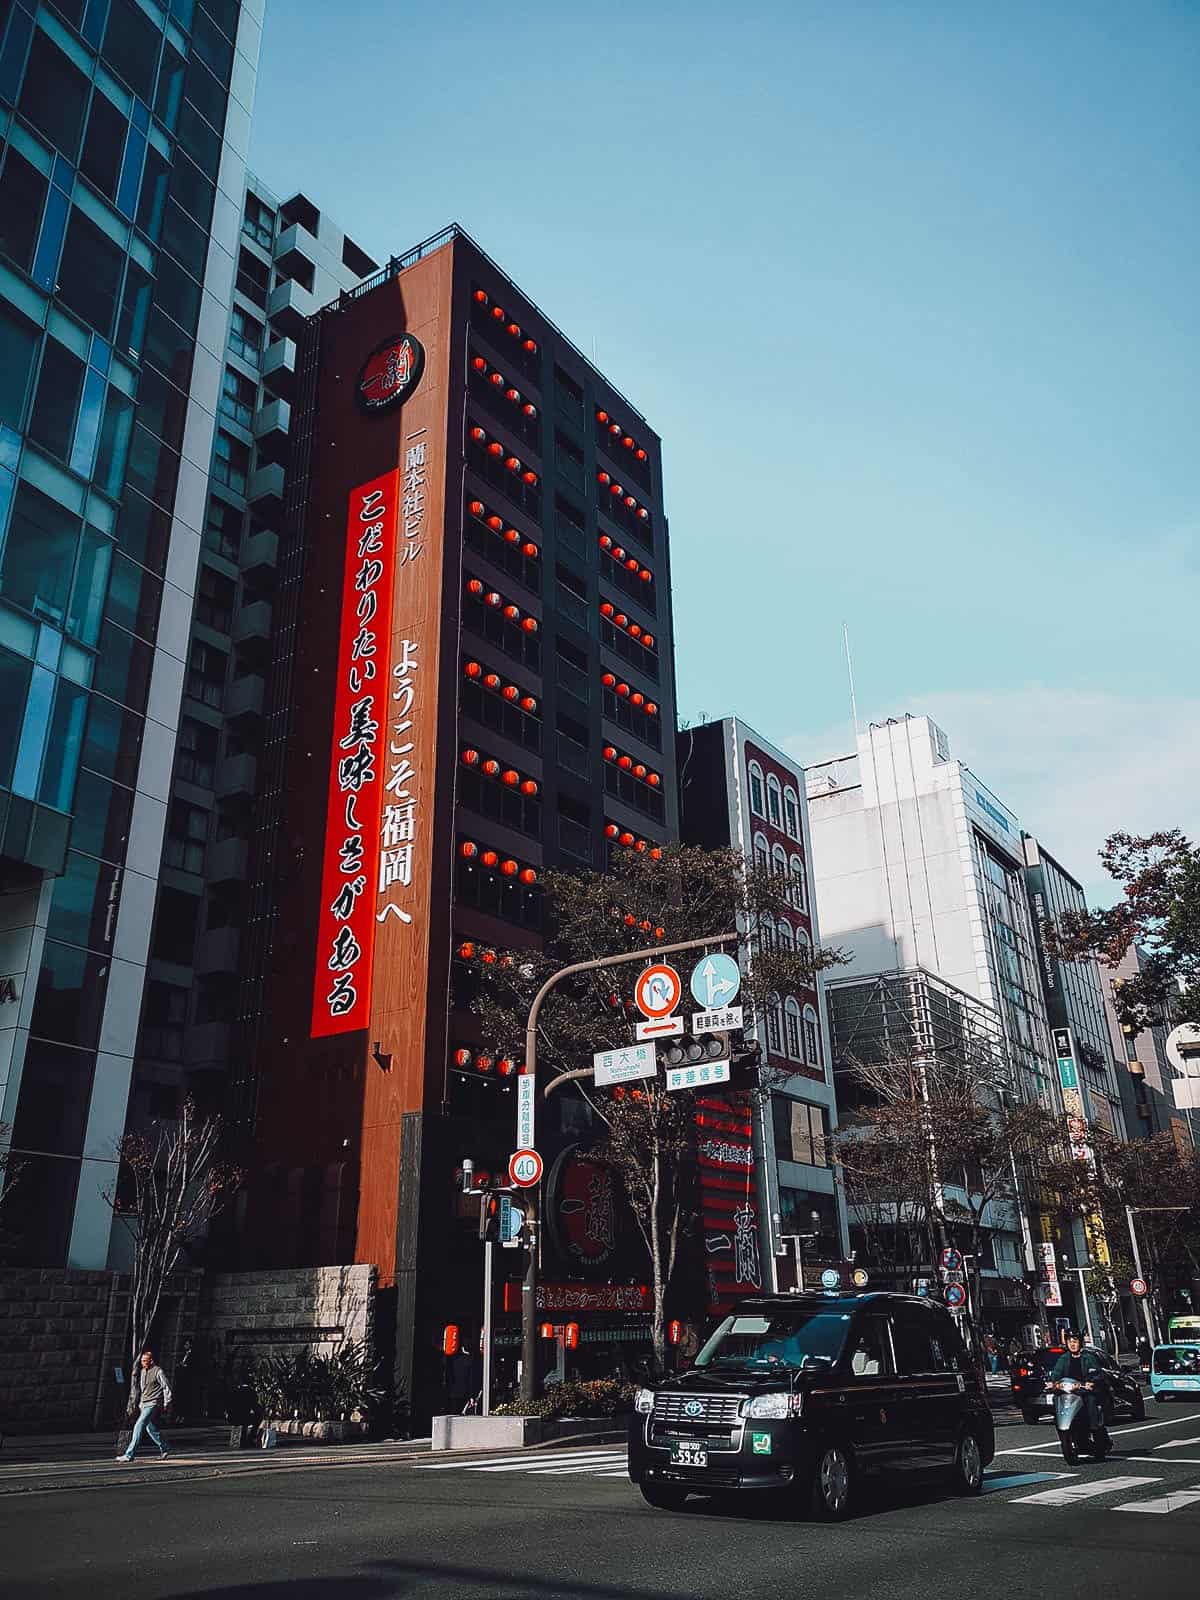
(391, 372)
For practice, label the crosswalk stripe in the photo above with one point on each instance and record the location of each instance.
(583, 1466)
(1069, 1493)
(490, 1461)
(1161, 1504)
(1176, 1444)
(561, 1466)
(1019, 1480)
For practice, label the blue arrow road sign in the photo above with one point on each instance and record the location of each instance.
(714, 982)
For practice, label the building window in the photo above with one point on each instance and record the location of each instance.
(774, 802)
(774, 1024)
(223, 529)
(762, 854)
(791, 1026)
(799, 885)
(812, 1038)
(245, 336)
(197, 759)
(231, 462)
(258, 222)
(766, 934)
(791, 813)
(238, 396)
(801, 1131)
(756, 790)
(186, 835)
(786, 940)
(779, 864)
(205, 679)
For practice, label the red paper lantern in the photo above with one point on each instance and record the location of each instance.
(511, 536)
(499, 313)
(492, 598)
(495, 523)
(530, 347)
(625, 762)
(478, 435)
(495, 448)
(530, 478)
(630, 501)
(640, 453)
(528, 703)
(497, 379)
(610, 752)
(513, 464)
(630, 920)
(637, 698)
(645, 925)
(632, 564)
(472, 669)
(606, 608)
(488, 958)
(571, 1336)
(603, 477)
(513, 613)
(655, 852)
(546, 1330)
(618, 552)
(510, 778)
(489, 859)
(660, 933)
(653, 779)
(479, 364)
(529, 787)
(528, 875)
(614, 428)
(648, 640)
(602, 416)
(651, 708)
(492, 767)
(476, 508)
(626, 839)
(462, 1058)
(468, 850)
(506, 1066)
(635, 629)
(529, 625)
(474, 586)
(529, 409)
(514, 330)
(450, 1331)
(674, 1331)
(616, 489)
(510, 691)
(605, 542)
(608, 679)
(512, 394)
(627, 442)
(640, 847)
(491, 680)
(509, 868)
(646, 575)
(467, 949)
(612, 831)
(644, 514)
(621, 619)
(623, 690)
(639, 771)
(470, 759)
(530, 550)
(481, 297)
(483, 1063)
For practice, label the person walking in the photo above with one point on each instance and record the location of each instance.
(152, 1393)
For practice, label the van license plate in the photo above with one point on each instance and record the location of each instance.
(688, 1455)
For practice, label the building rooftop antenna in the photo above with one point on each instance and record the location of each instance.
(850, 678)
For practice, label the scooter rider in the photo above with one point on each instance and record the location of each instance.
(1086, 1368)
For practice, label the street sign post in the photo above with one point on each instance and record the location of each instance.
(715, 981)
(525, 1168)
(955, 1296)
(1139, 1287)
(526, 1111)
(622, 1065)
(657, 991)
(952, 1259)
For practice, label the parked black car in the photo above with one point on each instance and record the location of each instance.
(806, 1394)
(1030, 1375)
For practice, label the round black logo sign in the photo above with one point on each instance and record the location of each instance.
(390, 373)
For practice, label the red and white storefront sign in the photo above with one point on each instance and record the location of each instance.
(728, 1201)
(358, 762)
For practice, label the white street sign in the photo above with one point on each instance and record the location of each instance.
(619, 1066)
(715, 980)
(717, 1021)
(660, 1028)
(699, 1076)
(526, 1101)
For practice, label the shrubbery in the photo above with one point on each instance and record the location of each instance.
(597, 1397)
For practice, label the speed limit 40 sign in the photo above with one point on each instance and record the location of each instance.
(525, 1168)
(1139, 1287)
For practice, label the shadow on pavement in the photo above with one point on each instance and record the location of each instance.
(388, 1580)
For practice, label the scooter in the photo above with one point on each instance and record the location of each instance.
(1075, 1435)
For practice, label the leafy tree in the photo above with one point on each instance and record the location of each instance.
(10, 1176)
(170, 1185)
(1159, 875)
(648, 897)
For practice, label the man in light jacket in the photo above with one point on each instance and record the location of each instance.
(152, 1393)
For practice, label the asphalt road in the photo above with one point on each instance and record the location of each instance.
(372, 1526)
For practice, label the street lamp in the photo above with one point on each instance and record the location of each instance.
(797, 1239)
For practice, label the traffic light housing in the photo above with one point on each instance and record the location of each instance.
(491, 1211)
(695, 1050)
(704, 1049)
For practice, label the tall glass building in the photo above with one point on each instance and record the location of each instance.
(123, 135)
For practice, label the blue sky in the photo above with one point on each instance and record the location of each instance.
(909, 292)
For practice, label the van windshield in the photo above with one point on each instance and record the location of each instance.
(794, 1340)
(1177, 1360)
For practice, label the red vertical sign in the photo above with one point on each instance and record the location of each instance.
(346, 931)
(728, 1200)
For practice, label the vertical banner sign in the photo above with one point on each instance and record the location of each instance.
(728, 1200)
(357, 768)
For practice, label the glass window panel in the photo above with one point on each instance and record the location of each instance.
(225, 14)
(56, 400)
(22, 196)
(39, 556)
(56, 1091)
(162, 408)
(71, 9)
(134, 596)
(169, 348)
(54, 95)
(153, 197)
(101, 820)
(212, 47)
(103, 145)
(193, 191)
(115, 433)
(178, 294)
(175, 926)
(185, 239)
(87, 592)
(135, 307)
(223, 528)
(131, 47)
(70, 995)
(183, 11)
(113, 741)
(18, 347)
(14, 687)
(144, 530)
(170, 87)
(153, 466)
(205, 93)
(199, 140)
(89, 276)
(87, 429)
(84, 908)
(245, 336)
(123, 667)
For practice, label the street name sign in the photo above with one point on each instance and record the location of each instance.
(526, 1102)
(620, 1066)
(698, 1076)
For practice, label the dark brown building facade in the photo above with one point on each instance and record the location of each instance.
(474, 680)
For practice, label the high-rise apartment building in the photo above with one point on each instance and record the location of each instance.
(124, 126)
(738, 791)
(291, 259)
(473, 681)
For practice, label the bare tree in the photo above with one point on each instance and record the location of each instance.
(170, 1185)
(10, 1176)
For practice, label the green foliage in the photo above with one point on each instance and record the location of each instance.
(313, 1387)
(598, 1397)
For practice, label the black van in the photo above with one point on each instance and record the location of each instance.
(807, 1393)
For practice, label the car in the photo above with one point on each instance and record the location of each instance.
(1175, 1372)
(807, 1395)
(1030, 1375)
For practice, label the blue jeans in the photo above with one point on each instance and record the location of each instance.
(144, 1424)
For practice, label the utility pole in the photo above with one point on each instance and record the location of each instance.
(529, 1338)
(1147, 1309)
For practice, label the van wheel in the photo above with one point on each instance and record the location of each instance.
(833, 1484)
(968, 1464)
(662, 1498)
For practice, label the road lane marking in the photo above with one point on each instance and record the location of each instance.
(536, 1464)
(586, 1466)
(1161, 1504)
(1176, 1444)
(558, 1456)
(1070, 1493)
(1116, 1433)
(1174, 1461)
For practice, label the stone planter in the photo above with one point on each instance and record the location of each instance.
(511, 1433)
(340, 1432)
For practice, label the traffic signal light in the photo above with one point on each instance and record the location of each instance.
(691, 1050)
(493, 1213)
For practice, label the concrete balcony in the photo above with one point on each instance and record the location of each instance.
(217, 951)
(270, 430)
(266, 490)
(227, 862)
(244, 698)
(260, 553)
(252, 625)
(236, 778)
(289, 306)
(296, 251)
(279, 367)
(208, 1041)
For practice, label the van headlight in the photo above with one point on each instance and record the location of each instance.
(643, 1401)
(773, 1405)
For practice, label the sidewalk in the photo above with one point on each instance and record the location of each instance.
(101, 1445)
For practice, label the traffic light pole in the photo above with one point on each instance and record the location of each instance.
(488, 1247)
(529, 1339)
